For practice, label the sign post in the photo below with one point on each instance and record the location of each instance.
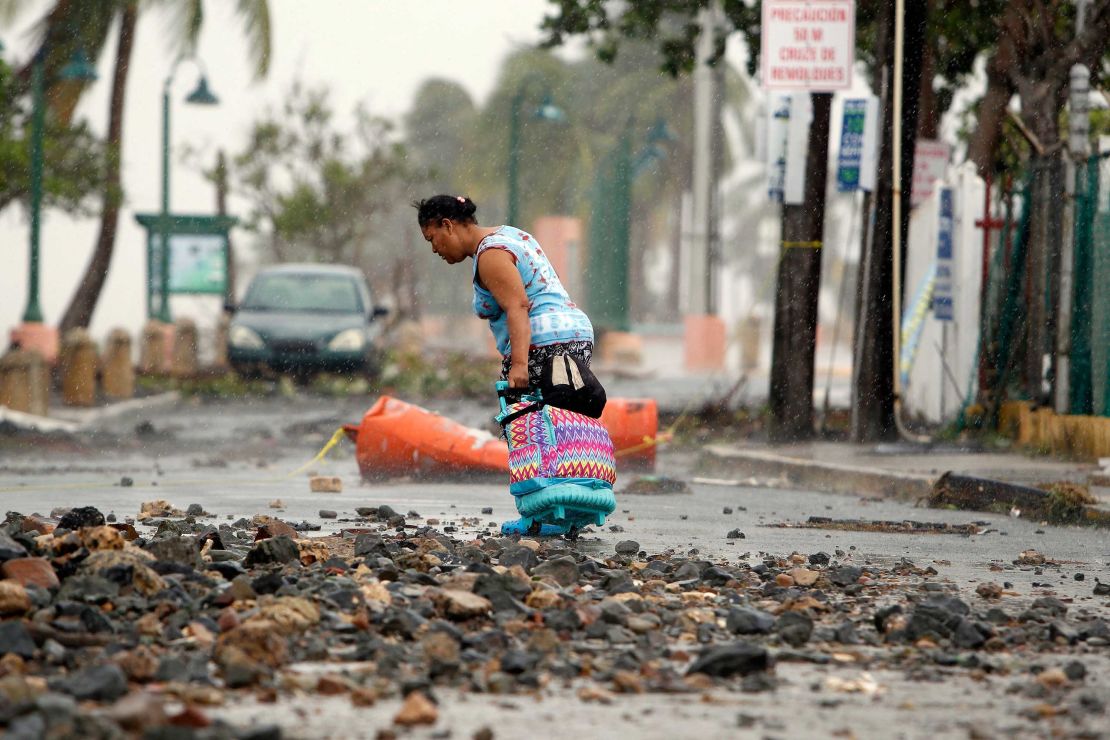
(198, 258)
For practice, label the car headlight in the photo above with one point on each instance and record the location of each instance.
(350, 340)
(244, 338)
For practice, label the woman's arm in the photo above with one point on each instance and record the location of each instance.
(499, 275)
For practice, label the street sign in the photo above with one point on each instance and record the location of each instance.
(778, 122)
(797, 148)
(930, 162)
(851, 145)
(198, 258)
(808, 45)
(942, 290)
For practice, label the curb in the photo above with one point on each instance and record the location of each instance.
(850, 480)
(77, 420)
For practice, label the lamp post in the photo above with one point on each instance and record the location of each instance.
(201, 96)
(610, 227)
(77, 69)
(547, 111)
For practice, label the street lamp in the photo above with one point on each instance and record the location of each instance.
(547, 111)
(200, 96)
(610, 226)
(78, 69)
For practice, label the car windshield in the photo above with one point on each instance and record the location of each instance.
(303, 292)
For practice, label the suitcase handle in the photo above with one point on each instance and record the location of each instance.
(504, 393)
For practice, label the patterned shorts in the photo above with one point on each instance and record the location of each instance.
(538, 356)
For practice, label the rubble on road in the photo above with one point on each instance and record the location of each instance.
(107, 631)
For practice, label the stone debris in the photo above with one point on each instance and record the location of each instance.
(130, 634)
(325, 484)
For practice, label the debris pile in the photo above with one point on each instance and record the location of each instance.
(110, 631)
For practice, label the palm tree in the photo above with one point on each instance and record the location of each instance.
(86, 25)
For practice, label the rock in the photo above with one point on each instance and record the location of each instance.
(138, 710)
(9, 548)
(440, 648)
(104, 682)
(327, 514)
(563, 571)
(273, 550)
(195, 510)
(727, 510)
(989, 590)
(819, 558)
(325, 484)
(13, 598)
(462, 605)
(181, 550)
(794, 628)
(1052, 678)
(970, 635)
(845, 575)
(735, 534)
(1051, 605)
(747, 621)
(516, 662)
(740, 658)
(717, 576)
(28, 571)
(83, 516)
(487, 509)
(417, 710)
(784, 580)
(16, 640)
(369, 544)
(1030, 557)
(803, 576)
(628, 547)
(525, 557)
(1075, 671)
(270, 527)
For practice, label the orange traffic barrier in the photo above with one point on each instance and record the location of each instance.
(633, 424)
(399, 438)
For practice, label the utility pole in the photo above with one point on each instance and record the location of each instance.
(872, 368)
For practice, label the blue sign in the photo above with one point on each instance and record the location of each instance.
(942, 290)
(851, 145)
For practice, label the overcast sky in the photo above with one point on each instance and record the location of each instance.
(376, 51)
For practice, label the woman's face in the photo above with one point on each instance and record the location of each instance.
(444, 238)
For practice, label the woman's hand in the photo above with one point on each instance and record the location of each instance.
(518, 376)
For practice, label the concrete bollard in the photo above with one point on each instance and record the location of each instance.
(118, 375)
(24, 382)
(185, 349)
(219, 357)
(152, 352)
(78, 366)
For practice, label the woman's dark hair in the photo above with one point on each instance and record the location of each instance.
(455, 207)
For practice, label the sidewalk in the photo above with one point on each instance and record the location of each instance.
(900, 471)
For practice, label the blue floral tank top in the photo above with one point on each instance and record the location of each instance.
(553, 316)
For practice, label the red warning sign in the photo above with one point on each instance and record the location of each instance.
(808, 44)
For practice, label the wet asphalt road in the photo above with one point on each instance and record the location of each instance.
(233, 458)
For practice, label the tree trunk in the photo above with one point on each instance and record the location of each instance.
(799, 281)
(928, 116)
(81, 306)
(873, 368)
(1000, 89)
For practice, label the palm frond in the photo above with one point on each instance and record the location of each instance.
(185, 18)
(257, 27)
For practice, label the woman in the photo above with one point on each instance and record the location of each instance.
(545, 343)
(515, 288)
